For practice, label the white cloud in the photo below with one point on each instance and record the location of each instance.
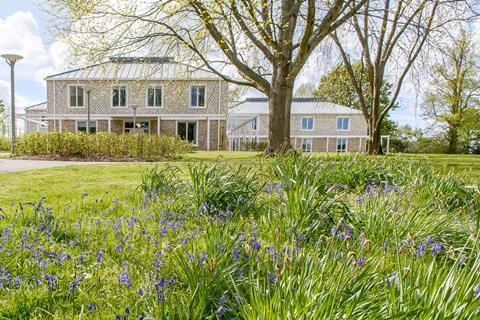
(20, 36)
(20, 101)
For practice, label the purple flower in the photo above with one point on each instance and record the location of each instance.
(360, 262)
(476, 291)
(92, 306)
(124, 278)
(100, 256)
(140, 292)
(51, 281)
(74, 285)
(437, 247)
(420, 249)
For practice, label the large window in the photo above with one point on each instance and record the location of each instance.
(197, 96)
(82, 126)
(187, 131)
(341, 145)
(77, 96)
(254, 124)
(154, 96)
(139, 127)
(343, 124)
(307, 145)
(307, 123)
(119, 96)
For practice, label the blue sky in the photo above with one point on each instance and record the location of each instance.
(23, 30)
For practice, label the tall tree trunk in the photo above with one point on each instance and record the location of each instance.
(280, 104)
(375, 142)
(452, 139)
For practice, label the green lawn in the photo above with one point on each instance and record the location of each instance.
(60, 185)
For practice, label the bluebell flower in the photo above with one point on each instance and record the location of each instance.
(92, 306)
(420, 252)
(437, 247)
(476, 291)
(361, 261)
(124, 278)
(100, 256)
(51, 281)
(74, 285)
(140, 292)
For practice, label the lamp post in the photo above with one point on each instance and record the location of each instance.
(11, 60)
(134, 108)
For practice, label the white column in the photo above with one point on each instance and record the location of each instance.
(158, 125)
(360, 145)
(208, 133)
(328, 140)
(60, 127)
(109, 125)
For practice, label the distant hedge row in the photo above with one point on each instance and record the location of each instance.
(101, 145)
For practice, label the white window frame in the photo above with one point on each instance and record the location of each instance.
(311, 144)
(188, 121)
(77, 121)
(346, 145)
(301, 123)
(190, 96)
(70, 96)
(126, 98)
(257, 124)
(154, 86)
(342, 117)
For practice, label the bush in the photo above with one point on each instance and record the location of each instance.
(101, 145)
(4, 144)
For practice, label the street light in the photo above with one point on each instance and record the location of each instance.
(134, 108)
(11, 60)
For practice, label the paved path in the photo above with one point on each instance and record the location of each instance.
(10, 165)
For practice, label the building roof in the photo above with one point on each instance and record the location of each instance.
(37, 107)
(253, 106)
(136, 68)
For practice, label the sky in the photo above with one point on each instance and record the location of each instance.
(23, 30)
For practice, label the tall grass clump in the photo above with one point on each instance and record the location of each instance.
(294, 237)
(101, 145)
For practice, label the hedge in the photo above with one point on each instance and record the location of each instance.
(101, 145)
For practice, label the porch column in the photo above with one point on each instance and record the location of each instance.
(328, 140)
(208, 133)
(158, 125)
(109, 125)
(360, 145)
(60, 125)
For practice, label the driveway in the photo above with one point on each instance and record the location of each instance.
(9, 165)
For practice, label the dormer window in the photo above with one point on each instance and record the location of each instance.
(76, 97)
(197, 96)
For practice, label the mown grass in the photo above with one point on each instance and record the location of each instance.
(348, 237)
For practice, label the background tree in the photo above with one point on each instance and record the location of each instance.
(305, 90)
(453, 98)
(3, 119)
(390, 36)
(267, 41)
(336, 87)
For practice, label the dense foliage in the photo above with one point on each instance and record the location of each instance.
(4, 143)
(288, 238)
(67, 144)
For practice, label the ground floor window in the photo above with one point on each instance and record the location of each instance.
(140, 127)
(307, 145)
(82, 126)
(187, 131)
(341, 145)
